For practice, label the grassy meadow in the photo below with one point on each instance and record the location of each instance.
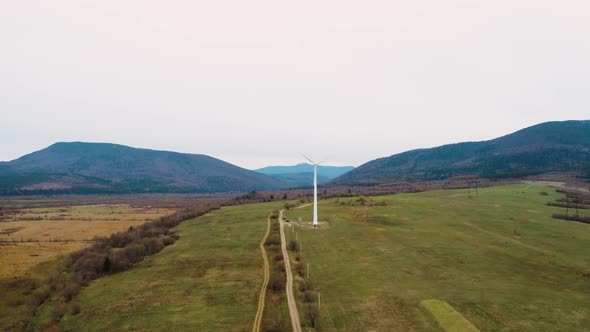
(425, 261)
(209, 280)
(34, 240)
(32, 236)
(429, 261)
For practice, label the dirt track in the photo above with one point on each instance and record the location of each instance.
(296, 323)
(262, 297)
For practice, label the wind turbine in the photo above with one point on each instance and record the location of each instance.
(315, 190)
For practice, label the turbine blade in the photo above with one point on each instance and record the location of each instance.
(311, 161)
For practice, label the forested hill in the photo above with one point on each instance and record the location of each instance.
(547, 147)
(109, 168)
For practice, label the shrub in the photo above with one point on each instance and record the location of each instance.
(134, 252)
(119, 262)
(276, 282)
(71, 290)
(121, 239)
(75, 308)
(106, 265)
(300, 269)
(309, 296)
(58, 311)
(39, 295)
(305, 285)
(272, 240)
(168, 240)
(278, 257)
(152, 245)
(280, 267)
(572, 217)
(89, 265)
(293, 245)
(312, 313)
(274, 329)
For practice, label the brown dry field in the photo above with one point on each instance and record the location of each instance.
(29, 237)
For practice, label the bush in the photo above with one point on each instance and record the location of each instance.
(280, 267)
(59, 311)
(305, 285)
(71, 290)
(572, 217)
(168, 240)
(300, 269)
(75, 308)
(274, 329)
(293, 245)
(39, 295)
(278, 257)
(312, 313)
(152, 245)
(106, 265)
(276, 282)
(134, 252)
(309, 296)
(272, 240)
(89, 265)
(121, 239)
(119, 262)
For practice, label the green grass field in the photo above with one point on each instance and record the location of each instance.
(209, 280)
(498, 259)
(410, 262)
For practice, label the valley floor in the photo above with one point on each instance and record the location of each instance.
(209, 280)
(437, 260)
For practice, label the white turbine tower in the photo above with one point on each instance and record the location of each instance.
(315, 191)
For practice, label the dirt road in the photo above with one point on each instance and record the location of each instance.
(296, 323)
(262, 297)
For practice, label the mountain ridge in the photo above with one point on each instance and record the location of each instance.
(79, 167)
(547, 147)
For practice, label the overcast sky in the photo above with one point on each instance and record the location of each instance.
(257, 82)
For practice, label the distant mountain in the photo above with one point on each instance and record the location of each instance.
(547, 147)
(329, 172)
(109, 168)
(298, 180)
(301, 175)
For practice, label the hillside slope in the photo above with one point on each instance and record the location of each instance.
(109, 168)
(547, 147)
